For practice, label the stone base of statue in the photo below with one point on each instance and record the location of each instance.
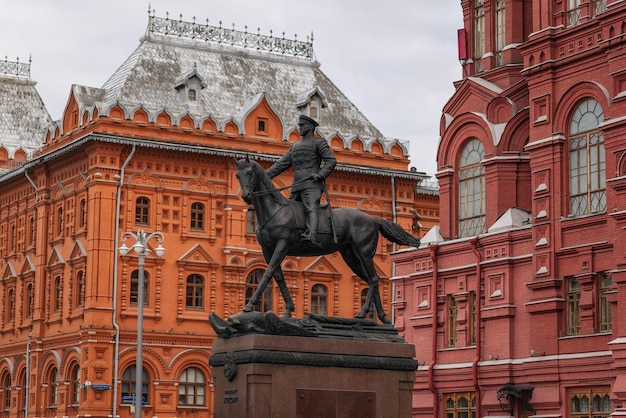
(319, 366)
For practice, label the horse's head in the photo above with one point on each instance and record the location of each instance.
(247, 178)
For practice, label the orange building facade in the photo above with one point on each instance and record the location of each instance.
(153, 150)
(516, 303)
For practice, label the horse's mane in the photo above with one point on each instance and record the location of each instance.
(267, 183)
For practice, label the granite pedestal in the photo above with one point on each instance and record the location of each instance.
(277, 376)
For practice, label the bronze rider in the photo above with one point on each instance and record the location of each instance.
(312, 161)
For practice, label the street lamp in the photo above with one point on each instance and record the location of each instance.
(141, 248)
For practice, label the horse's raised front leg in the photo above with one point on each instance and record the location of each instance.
(277, 257)
(282, 286)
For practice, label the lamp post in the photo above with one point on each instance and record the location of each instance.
(141, 248)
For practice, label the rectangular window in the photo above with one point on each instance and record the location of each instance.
(479, 35)
(500, 31)
(604, 284)
(250, 222)
(473, 319)
(460, 405)
(452, 313)
(590, 403)
(573, 313)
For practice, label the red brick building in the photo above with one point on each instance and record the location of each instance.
(516, 303)
(153, 149)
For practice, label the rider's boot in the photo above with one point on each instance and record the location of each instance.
(311, 232)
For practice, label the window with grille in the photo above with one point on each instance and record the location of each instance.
(573, 12)
(598, 6)
(587, 171)
(471, 190)
(318, 299)
(192, 388)
(264, 303)
(195, 291)
(197, 216)
(590, 403)
(142, 211)
(573, 312)
(460, 405)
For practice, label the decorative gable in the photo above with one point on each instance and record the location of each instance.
(197, 255)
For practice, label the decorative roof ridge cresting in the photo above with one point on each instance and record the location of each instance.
(16, 68)
(231, 37)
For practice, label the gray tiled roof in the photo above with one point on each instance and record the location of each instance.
(24, 119)
(232, 77)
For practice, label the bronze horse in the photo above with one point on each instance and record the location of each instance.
(353, 233)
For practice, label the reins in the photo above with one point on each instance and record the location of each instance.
(279, 189)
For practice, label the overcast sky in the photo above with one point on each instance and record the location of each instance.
(395, 60)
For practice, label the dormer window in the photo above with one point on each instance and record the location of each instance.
(310, 102)
(189, 85)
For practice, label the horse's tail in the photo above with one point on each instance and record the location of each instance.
(394, 233)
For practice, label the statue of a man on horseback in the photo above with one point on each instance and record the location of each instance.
(312, 161)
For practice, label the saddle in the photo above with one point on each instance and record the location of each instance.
(324, 212)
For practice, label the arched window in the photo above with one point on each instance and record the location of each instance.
(60, 220)
(80, 288)
(372, 311)
(195, 291)
(471, 190)
(252, 282)
(134, 286)
(21, 381)
(192, 388)
(318, 299)
(197, 216)
(6, 391)
(53, 387)
(75, 385)
(58, 294)
(479, 34)
(142, 211)
(587, 164)
(129, 383)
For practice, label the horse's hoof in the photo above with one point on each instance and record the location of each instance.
(360, 315)
(287, 314)
(247, 309)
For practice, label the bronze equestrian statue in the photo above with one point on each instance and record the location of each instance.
(280, 226)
